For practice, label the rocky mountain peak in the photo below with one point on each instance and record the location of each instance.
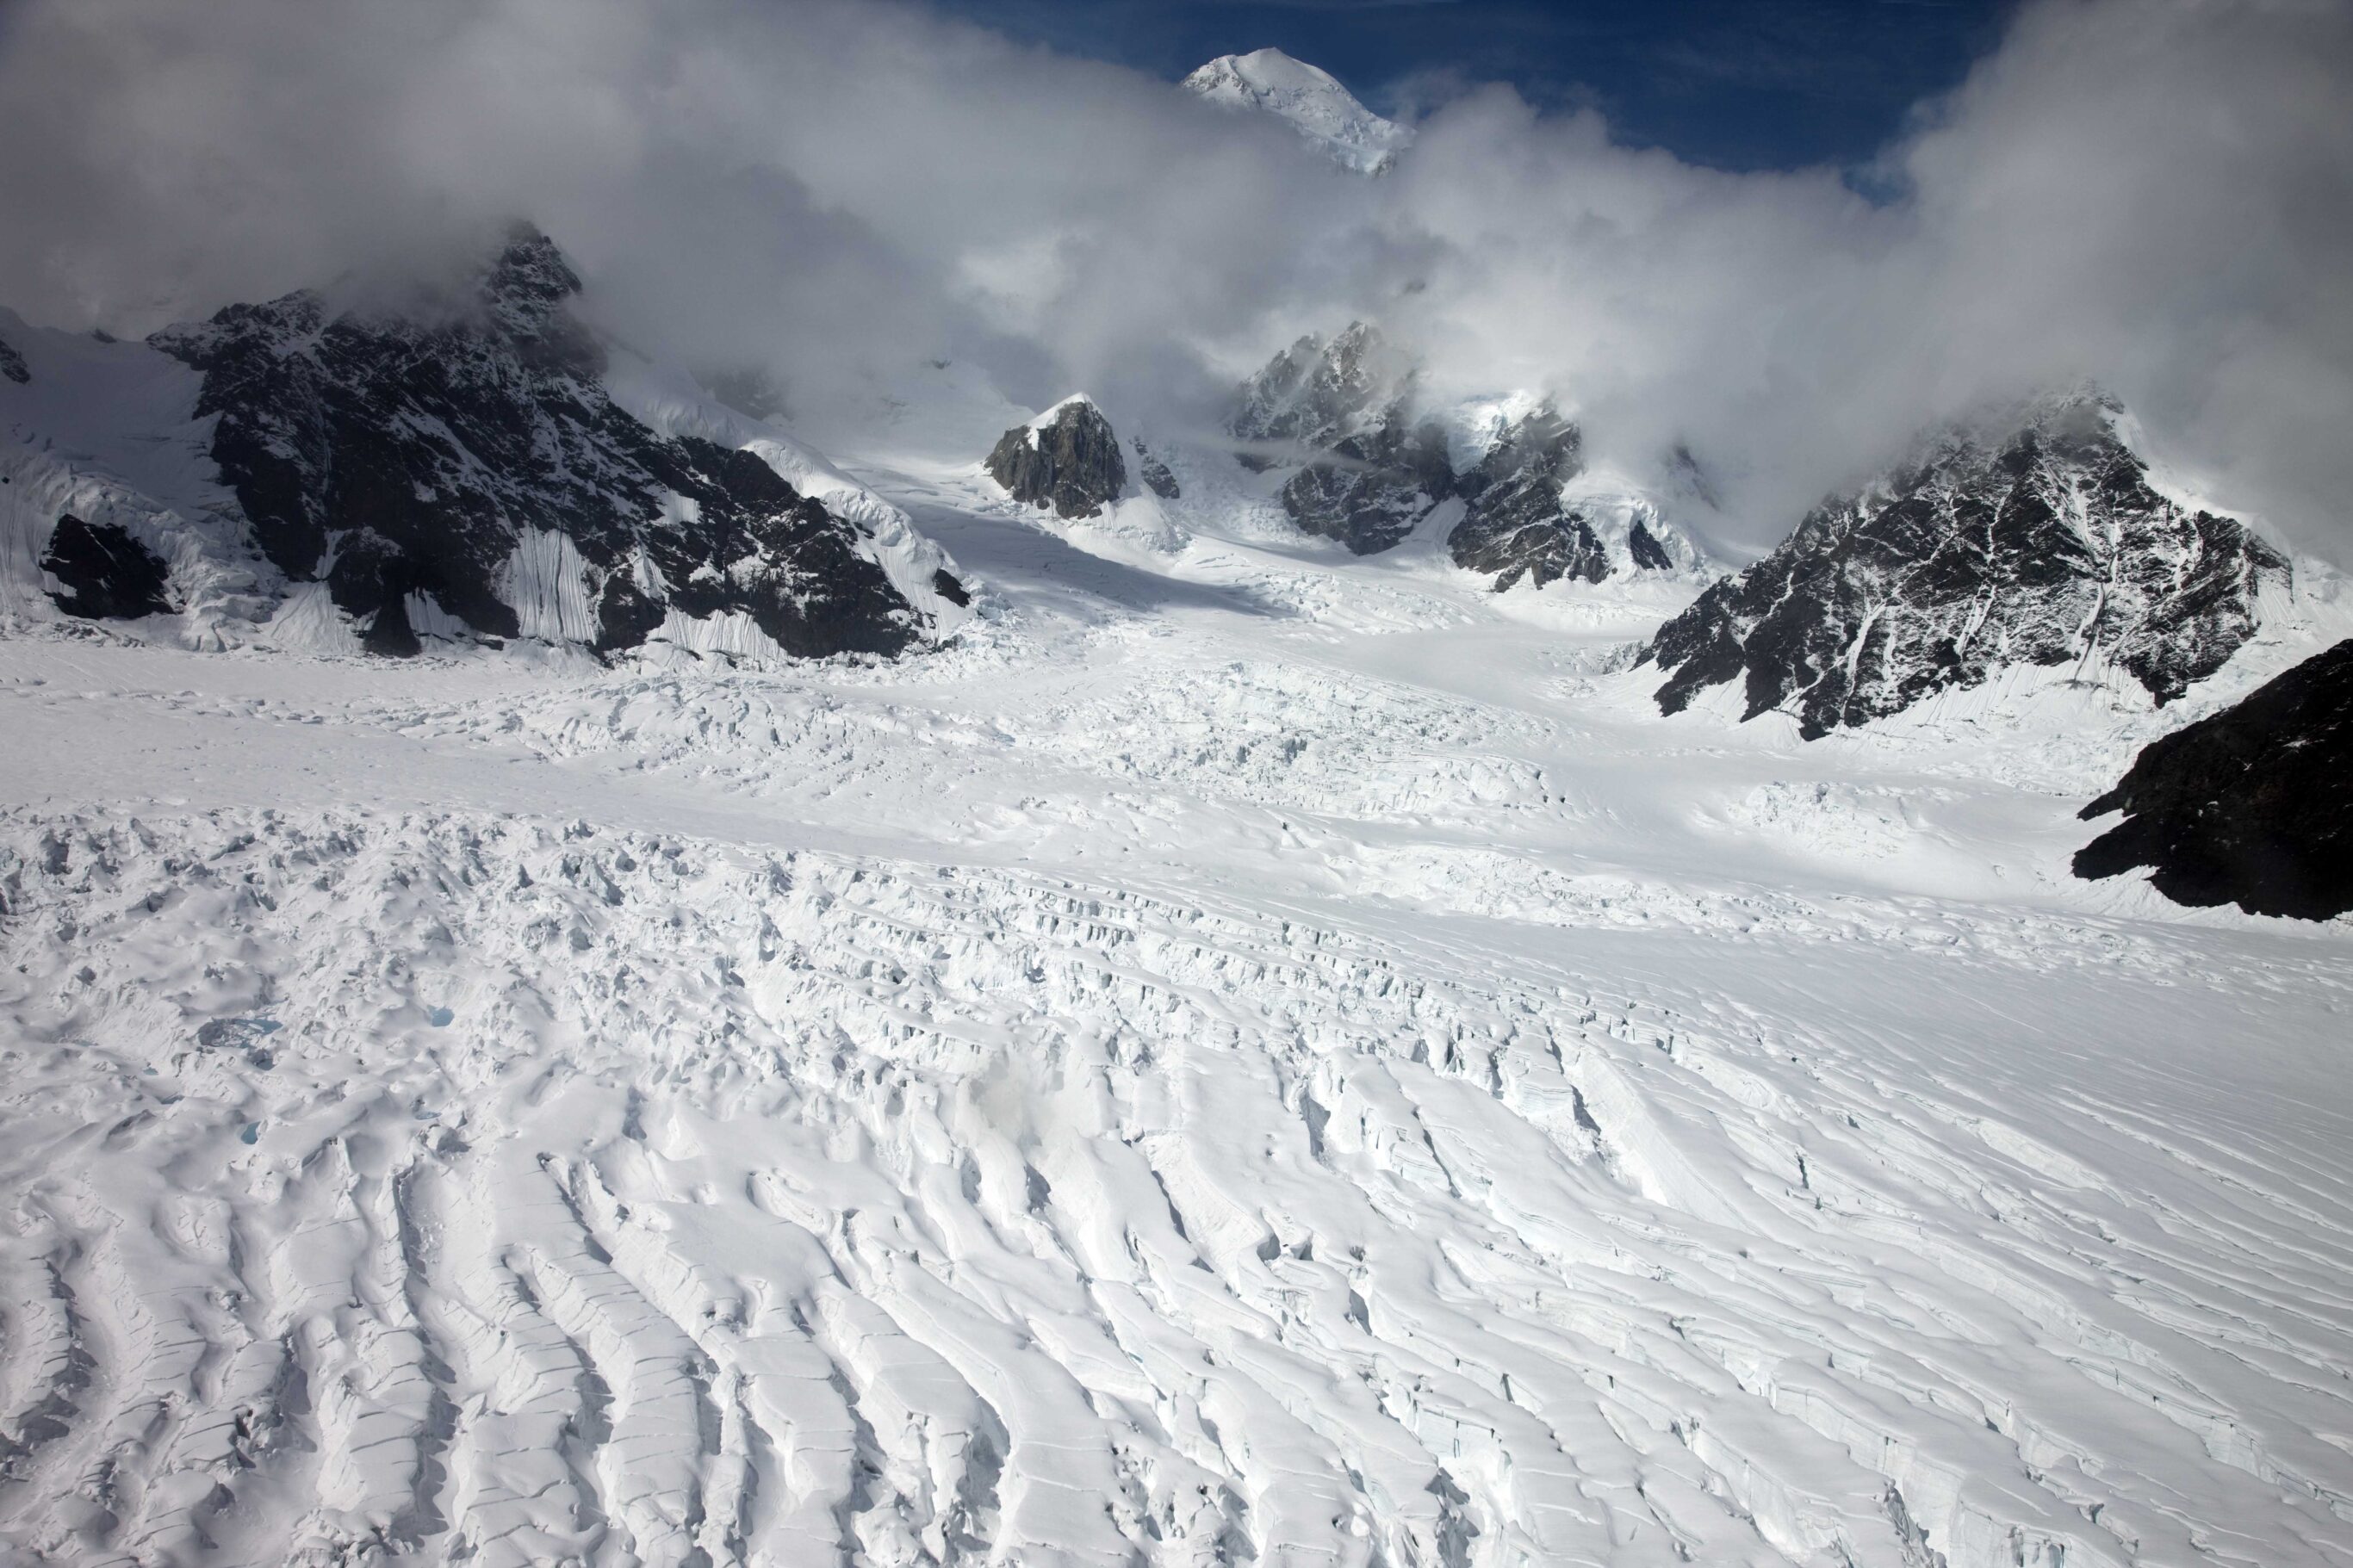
(1533, 512)
(530, 273)
(1320, 392)
(1539, 446)
(1067, 458)
(466, 473)
(527, 290)
(2029, 535)
(1343, 408)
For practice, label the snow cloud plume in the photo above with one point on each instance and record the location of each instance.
(2154, 194)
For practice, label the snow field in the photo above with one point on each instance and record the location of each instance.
(1246, 1058)
(769, 1205)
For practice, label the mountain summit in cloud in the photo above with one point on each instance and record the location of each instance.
(1312, 101)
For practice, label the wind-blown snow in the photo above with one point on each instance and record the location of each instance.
(1248, 1055)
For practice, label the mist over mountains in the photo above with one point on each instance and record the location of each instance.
(2153, 195)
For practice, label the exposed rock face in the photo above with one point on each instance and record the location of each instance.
(427, 455)
(108, 574)
(1373, 471)
(1370, 490)
(1154, 472)
(1648, 552)
(1315, 394)
(2253, 805)
(1518, 522)
(11, 364)
(1374, 468)
(1067, 459)
(2036, 540)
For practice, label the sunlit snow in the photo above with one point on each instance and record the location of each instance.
(1246, 1055)
(1310, 100)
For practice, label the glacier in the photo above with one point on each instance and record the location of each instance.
(1244, 1054)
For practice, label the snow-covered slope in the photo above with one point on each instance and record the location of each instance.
(107, 433)
(1312, 101)
(1252, 1055)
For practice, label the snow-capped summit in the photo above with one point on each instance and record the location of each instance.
(1312, 101)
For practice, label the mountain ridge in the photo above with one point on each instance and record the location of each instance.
(462, 469)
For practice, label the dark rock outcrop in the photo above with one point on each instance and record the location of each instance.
(1154, 472)
(1517, 523)
(1370, 490)
(11, 364)
(2253, 805)
(2038, 541)
(1372, 468)
(108, 574)
(407, 453)
(1315, 394)
(1372, 471)
(1068, 461)
(1649, 553)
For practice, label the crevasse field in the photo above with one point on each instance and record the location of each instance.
(1245, 1057)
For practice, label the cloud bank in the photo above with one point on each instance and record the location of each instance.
(2156, 194)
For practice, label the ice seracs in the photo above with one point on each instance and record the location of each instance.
(437, 467)
(2253, 805)
(2030, 536)
(1312, 101)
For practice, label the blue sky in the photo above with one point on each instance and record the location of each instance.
(1736, 84)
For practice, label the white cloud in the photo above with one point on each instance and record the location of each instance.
(2155, 193)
